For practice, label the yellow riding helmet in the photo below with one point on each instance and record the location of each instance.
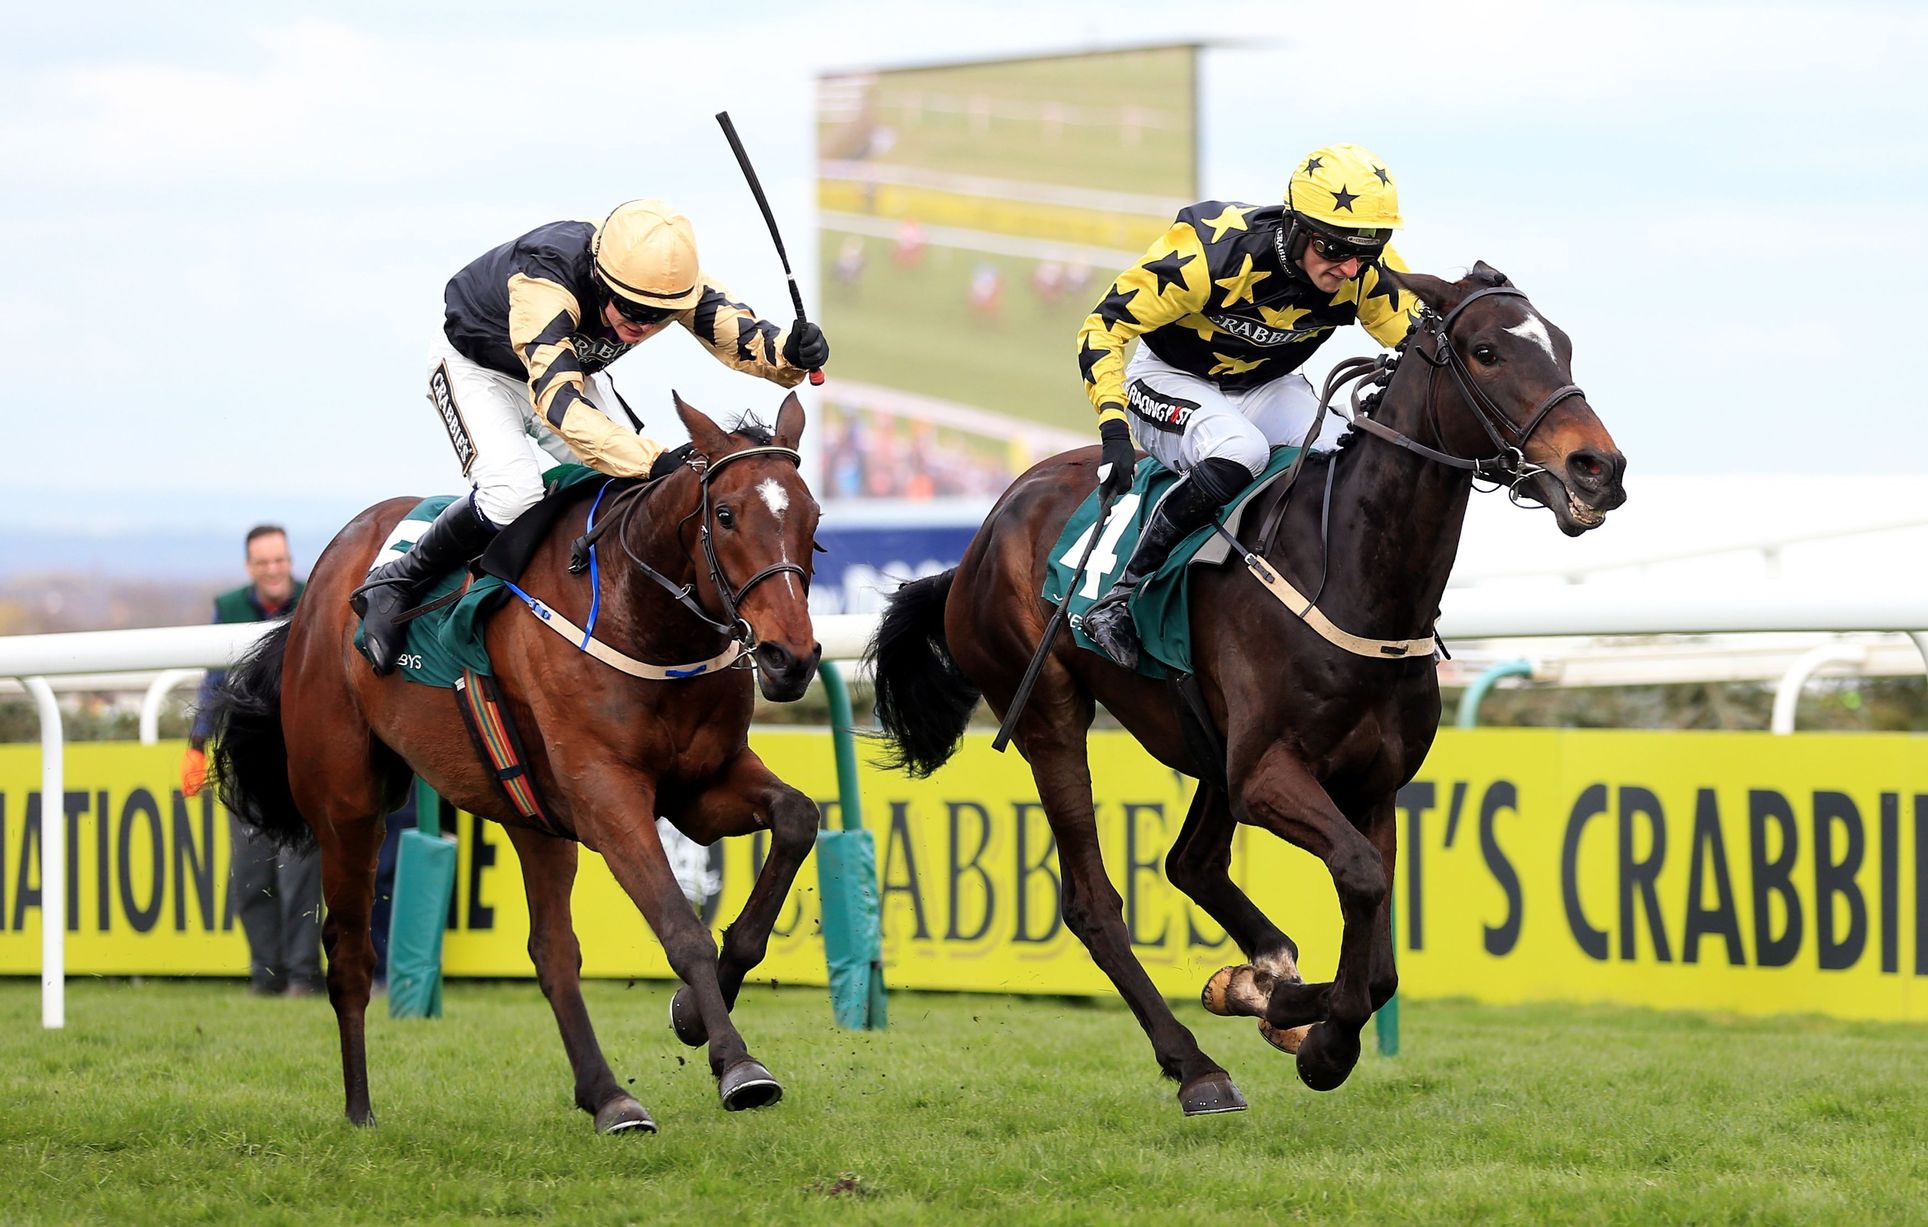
(645, 252)
(1346, 190)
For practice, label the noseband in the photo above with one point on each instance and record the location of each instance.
(1509, 464)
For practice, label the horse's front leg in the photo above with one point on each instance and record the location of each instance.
(548, 874)
(747, 798)
(1382, 828)
(1200, 865)
(617, 820)
(1282, 796)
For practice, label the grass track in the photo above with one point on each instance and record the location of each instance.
(191, 1102)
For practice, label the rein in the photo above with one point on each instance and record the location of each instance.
(741, 636)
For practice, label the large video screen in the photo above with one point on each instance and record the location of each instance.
(971, 215)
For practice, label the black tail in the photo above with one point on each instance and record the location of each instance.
(250, 753)
(923, 702)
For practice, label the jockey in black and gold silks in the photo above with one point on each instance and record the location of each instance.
(516, 376)
(1227, 306)
(531, 309)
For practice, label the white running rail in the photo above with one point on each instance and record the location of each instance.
(1470, 613)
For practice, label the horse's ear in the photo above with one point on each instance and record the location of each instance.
(1488, 274)
(708, 438)
(1441, 296)
(789, 422)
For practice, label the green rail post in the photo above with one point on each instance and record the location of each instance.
(1385, 1022)
(424, 882)
(853, 948)
(1468, 714)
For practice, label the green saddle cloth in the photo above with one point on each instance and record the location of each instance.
(1161, 606)
(444, 642)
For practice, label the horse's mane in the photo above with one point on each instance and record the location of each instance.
(748, 425)
(1481, 274)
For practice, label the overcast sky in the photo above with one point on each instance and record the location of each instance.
(228, 225)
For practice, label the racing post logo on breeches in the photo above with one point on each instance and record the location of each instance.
(1149, 405)
(443, 396)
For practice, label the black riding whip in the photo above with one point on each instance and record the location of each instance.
(769, 219)
(1023, 694)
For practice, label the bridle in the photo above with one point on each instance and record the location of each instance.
(1509, 464)
(1371, 378)
(732, 624)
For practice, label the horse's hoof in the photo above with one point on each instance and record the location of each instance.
(686, 1020)
(1326, 1056)
(364, 1121)
(1285, 1039)
(1238, 990)
(624, 1115)
(1210, 1094)
(1217, 995)
(747, 1085)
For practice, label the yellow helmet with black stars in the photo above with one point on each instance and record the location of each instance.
(1344, 194)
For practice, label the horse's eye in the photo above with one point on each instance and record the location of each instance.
(725, 518)
(1486, 354)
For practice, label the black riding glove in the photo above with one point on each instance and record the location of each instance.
(1119, 460)
(805, 348)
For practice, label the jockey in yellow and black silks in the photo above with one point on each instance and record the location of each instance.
(515, 376)
(1226, 307)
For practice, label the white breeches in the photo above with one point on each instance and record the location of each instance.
(1183, 419)
(503, 449)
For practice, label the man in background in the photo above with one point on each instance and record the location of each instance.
(277, 893)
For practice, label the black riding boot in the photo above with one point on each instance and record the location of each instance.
(456, 536)
(1191, 504)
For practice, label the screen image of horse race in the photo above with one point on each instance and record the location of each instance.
(986, 205)
(505, 713)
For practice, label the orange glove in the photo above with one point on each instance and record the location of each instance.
(194, 771)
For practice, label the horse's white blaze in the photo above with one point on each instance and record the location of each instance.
(774, 497)
(778, 501)
(1534, 329)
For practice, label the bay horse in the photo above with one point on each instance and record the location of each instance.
(712, 561)
(1316, 739)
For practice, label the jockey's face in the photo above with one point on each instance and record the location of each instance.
(1329, 275)
(270, 569)
(627, 332)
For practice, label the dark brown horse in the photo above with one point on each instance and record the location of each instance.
(313, 740)
(1316, 737)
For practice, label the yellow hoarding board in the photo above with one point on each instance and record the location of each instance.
(1705, 870)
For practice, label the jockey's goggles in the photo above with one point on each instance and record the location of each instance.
(638, 314)
(1339, 250)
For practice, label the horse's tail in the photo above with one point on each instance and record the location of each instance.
(250, 752)
(923, 702)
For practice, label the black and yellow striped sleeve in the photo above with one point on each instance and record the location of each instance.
(733, 332)
(1170, 283)
(1386, 311)
(542, 315)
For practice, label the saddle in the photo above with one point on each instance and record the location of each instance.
(444, 645)
(1161, 605)
(444, 631)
